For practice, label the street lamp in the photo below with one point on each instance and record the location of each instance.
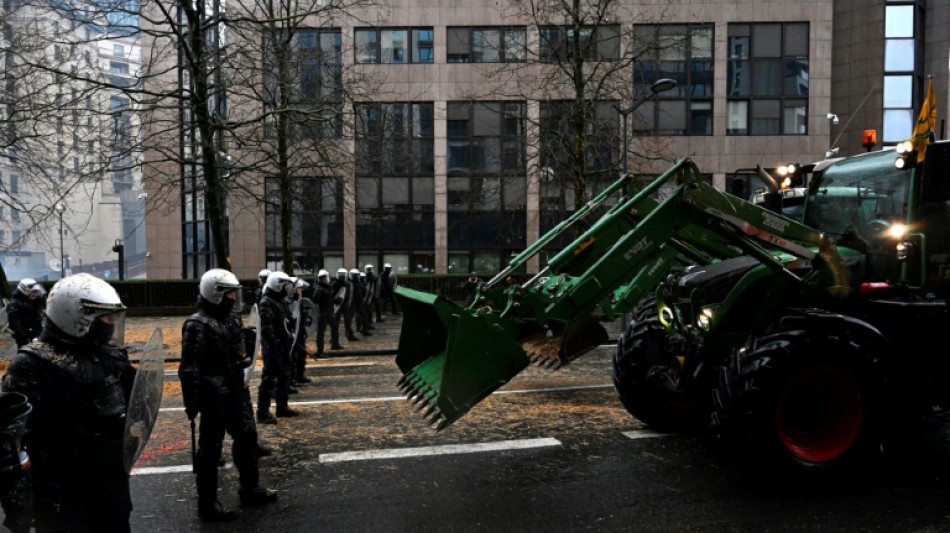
(659, 86)
(60, 208)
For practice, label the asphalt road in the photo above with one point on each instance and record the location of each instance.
(551, 451)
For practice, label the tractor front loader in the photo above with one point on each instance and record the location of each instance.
(453, 357)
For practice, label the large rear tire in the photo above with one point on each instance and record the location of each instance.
(645, 373)
(808, 400)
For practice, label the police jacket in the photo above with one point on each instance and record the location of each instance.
(79, 392)
(213, 352)
(323, 299)
(276, 334)
(342, 295)
(25, 318)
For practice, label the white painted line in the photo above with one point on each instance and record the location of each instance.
(328, 365)
(402, 453)
(151, 470)
(384, 399)
(644, 434)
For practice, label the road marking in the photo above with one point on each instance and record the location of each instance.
(384, 399)
(643, 434)
(257, 369)
(151, 470)
(448, 449)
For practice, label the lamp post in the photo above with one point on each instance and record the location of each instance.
(659, 86)
(60, 208)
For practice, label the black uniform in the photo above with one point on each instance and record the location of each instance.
(213, 359)
(343, 302)
(323, 299)
(74, 436)
(387, 290)
(276, 338)
(25, 317)
(359, 308)
(372, 294)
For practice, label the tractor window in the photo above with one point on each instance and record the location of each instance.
(855, 201)
(858, 198)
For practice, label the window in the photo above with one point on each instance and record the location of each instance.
(14, 213)
(486, 45)
(767, 83)
(117, 67)
(558, 192)
(316, 216)
(901, 72)
(685, 54)
(394, 45)
(600, 43)
(15, 237)
(487, 185)
(395, 165)
(118, 50)
(14, 184)
(314, 71)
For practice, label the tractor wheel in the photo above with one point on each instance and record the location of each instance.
(646, 373)
(807, 399)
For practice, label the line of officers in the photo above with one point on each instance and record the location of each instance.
(66, 394)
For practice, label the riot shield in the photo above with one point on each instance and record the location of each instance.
(308, 308)
(145, 399)
(295, 313)
(256, 326)
(4, 321)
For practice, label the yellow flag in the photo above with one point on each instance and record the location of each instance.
(926, 122)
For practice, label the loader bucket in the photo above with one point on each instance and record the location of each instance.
(451, 357)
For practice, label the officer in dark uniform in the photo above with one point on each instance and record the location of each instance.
(262, 279)
(358, 309)
(276, 339)
(213, 359)
(372, 292)
(303, 315)
(342, 302)
(78, 384)
(323, 300)
(25, 311)
(387, 289)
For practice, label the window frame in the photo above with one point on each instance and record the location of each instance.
(371, 52)
(503, 44)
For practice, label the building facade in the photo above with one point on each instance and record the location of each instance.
(455, 125)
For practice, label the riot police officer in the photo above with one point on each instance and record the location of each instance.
(358, 309)
(213, 359)
(25, 311)
(372, 292)
(323, 300)
(262, 279)
(303, 318)
(343, 302)
(387, 288)
(276, 343)
(78, 384)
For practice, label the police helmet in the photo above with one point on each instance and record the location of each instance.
(323, 274)
(75, 302)
(262, 275)
(276, 281)
(342, 273)
(368, 268)
(387, 266)
(25, 286)
(215, 283)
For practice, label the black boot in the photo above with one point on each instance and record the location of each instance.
(264, 417)
(303, 379)
(215, 512)
(257, 496)
(263, 451)
(285, 411)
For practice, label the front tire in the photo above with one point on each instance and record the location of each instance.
(646, 368)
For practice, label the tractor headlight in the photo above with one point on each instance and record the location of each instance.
(897, 231)
(704, 321)
(903, 250)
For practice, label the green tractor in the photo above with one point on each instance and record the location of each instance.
(805, 337)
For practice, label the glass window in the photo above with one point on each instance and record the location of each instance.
(422, 42)
(899, 21)
(898, 125)
(768, 69)
(394, 45)
(898, 91)
(486, 45)
(899, 55)
(683, 53)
